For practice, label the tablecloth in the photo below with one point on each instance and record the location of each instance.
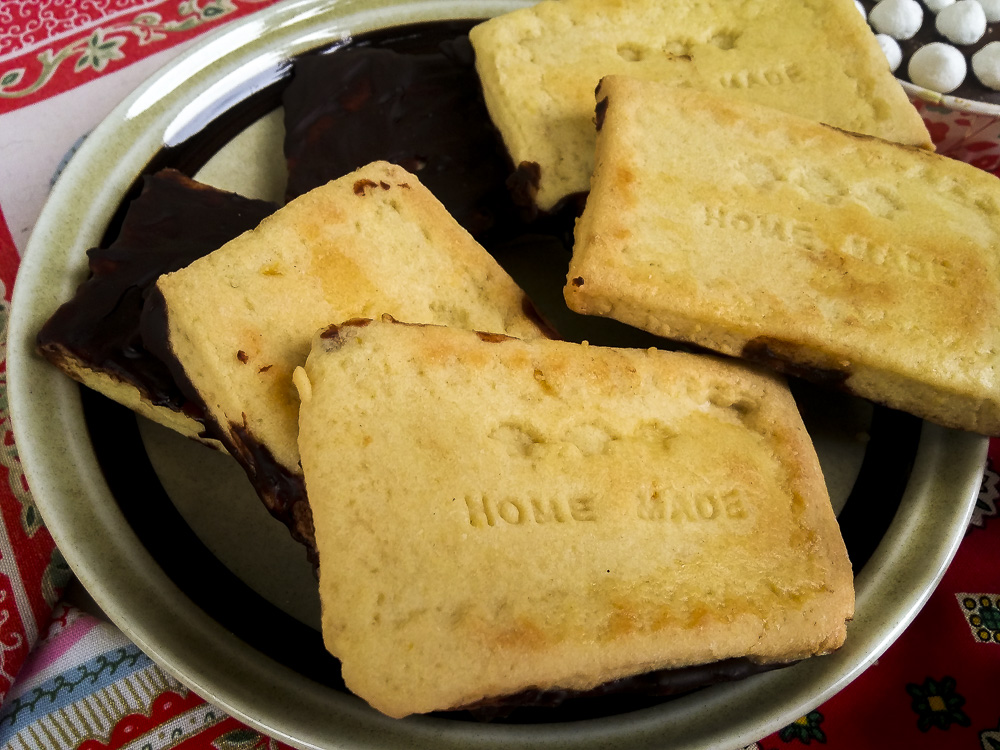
(69, 679)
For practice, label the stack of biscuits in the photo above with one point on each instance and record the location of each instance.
(494, 510)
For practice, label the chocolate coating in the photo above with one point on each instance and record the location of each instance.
(422, 110)
(768, 351)
(625, 694)
(600, 111)
(283, 493)
(173, 221)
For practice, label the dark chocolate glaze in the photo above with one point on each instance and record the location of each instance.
(971, 88)
(171, 223)
(423, 111)
(600, 111)
(523, 184)
(282, 492)
(332, 335)
(412, 96)
(627, 693)
(767, 351)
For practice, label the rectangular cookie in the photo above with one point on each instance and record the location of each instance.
(539, 67)
(233, 325)
(94, 337)
(838, 257)
(494, 515)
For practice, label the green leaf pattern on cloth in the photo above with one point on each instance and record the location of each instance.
(805, 729)
(937, 704)
(108, 44)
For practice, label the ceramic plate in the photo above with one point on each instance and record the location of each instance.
(169, 539)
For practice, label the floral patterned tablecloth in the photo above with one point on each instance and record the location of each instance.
(69, 679)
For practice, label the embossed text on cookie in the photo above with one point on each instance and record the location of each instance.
(776, 76)
(486, 512)
(764, 225)
(657, 506)
(916, 263)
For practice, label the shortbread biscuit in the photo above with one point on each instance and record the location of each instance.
(539, 67)
(94, 337)
(233, 325)
(494, 515)
(842, 258)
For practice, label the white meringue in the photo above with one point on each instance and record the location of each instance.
(936, 6)
(891, 50)
(986, 65)
(937, 66)
(900, 19)
(992, 10)
(962, 23)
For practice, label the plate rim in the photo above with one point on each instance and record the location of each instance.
(73, 502)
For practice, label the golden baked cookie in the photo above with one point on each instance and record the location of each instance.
(494, 514)
(237, 322)
(539, 67)
(755, 233)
